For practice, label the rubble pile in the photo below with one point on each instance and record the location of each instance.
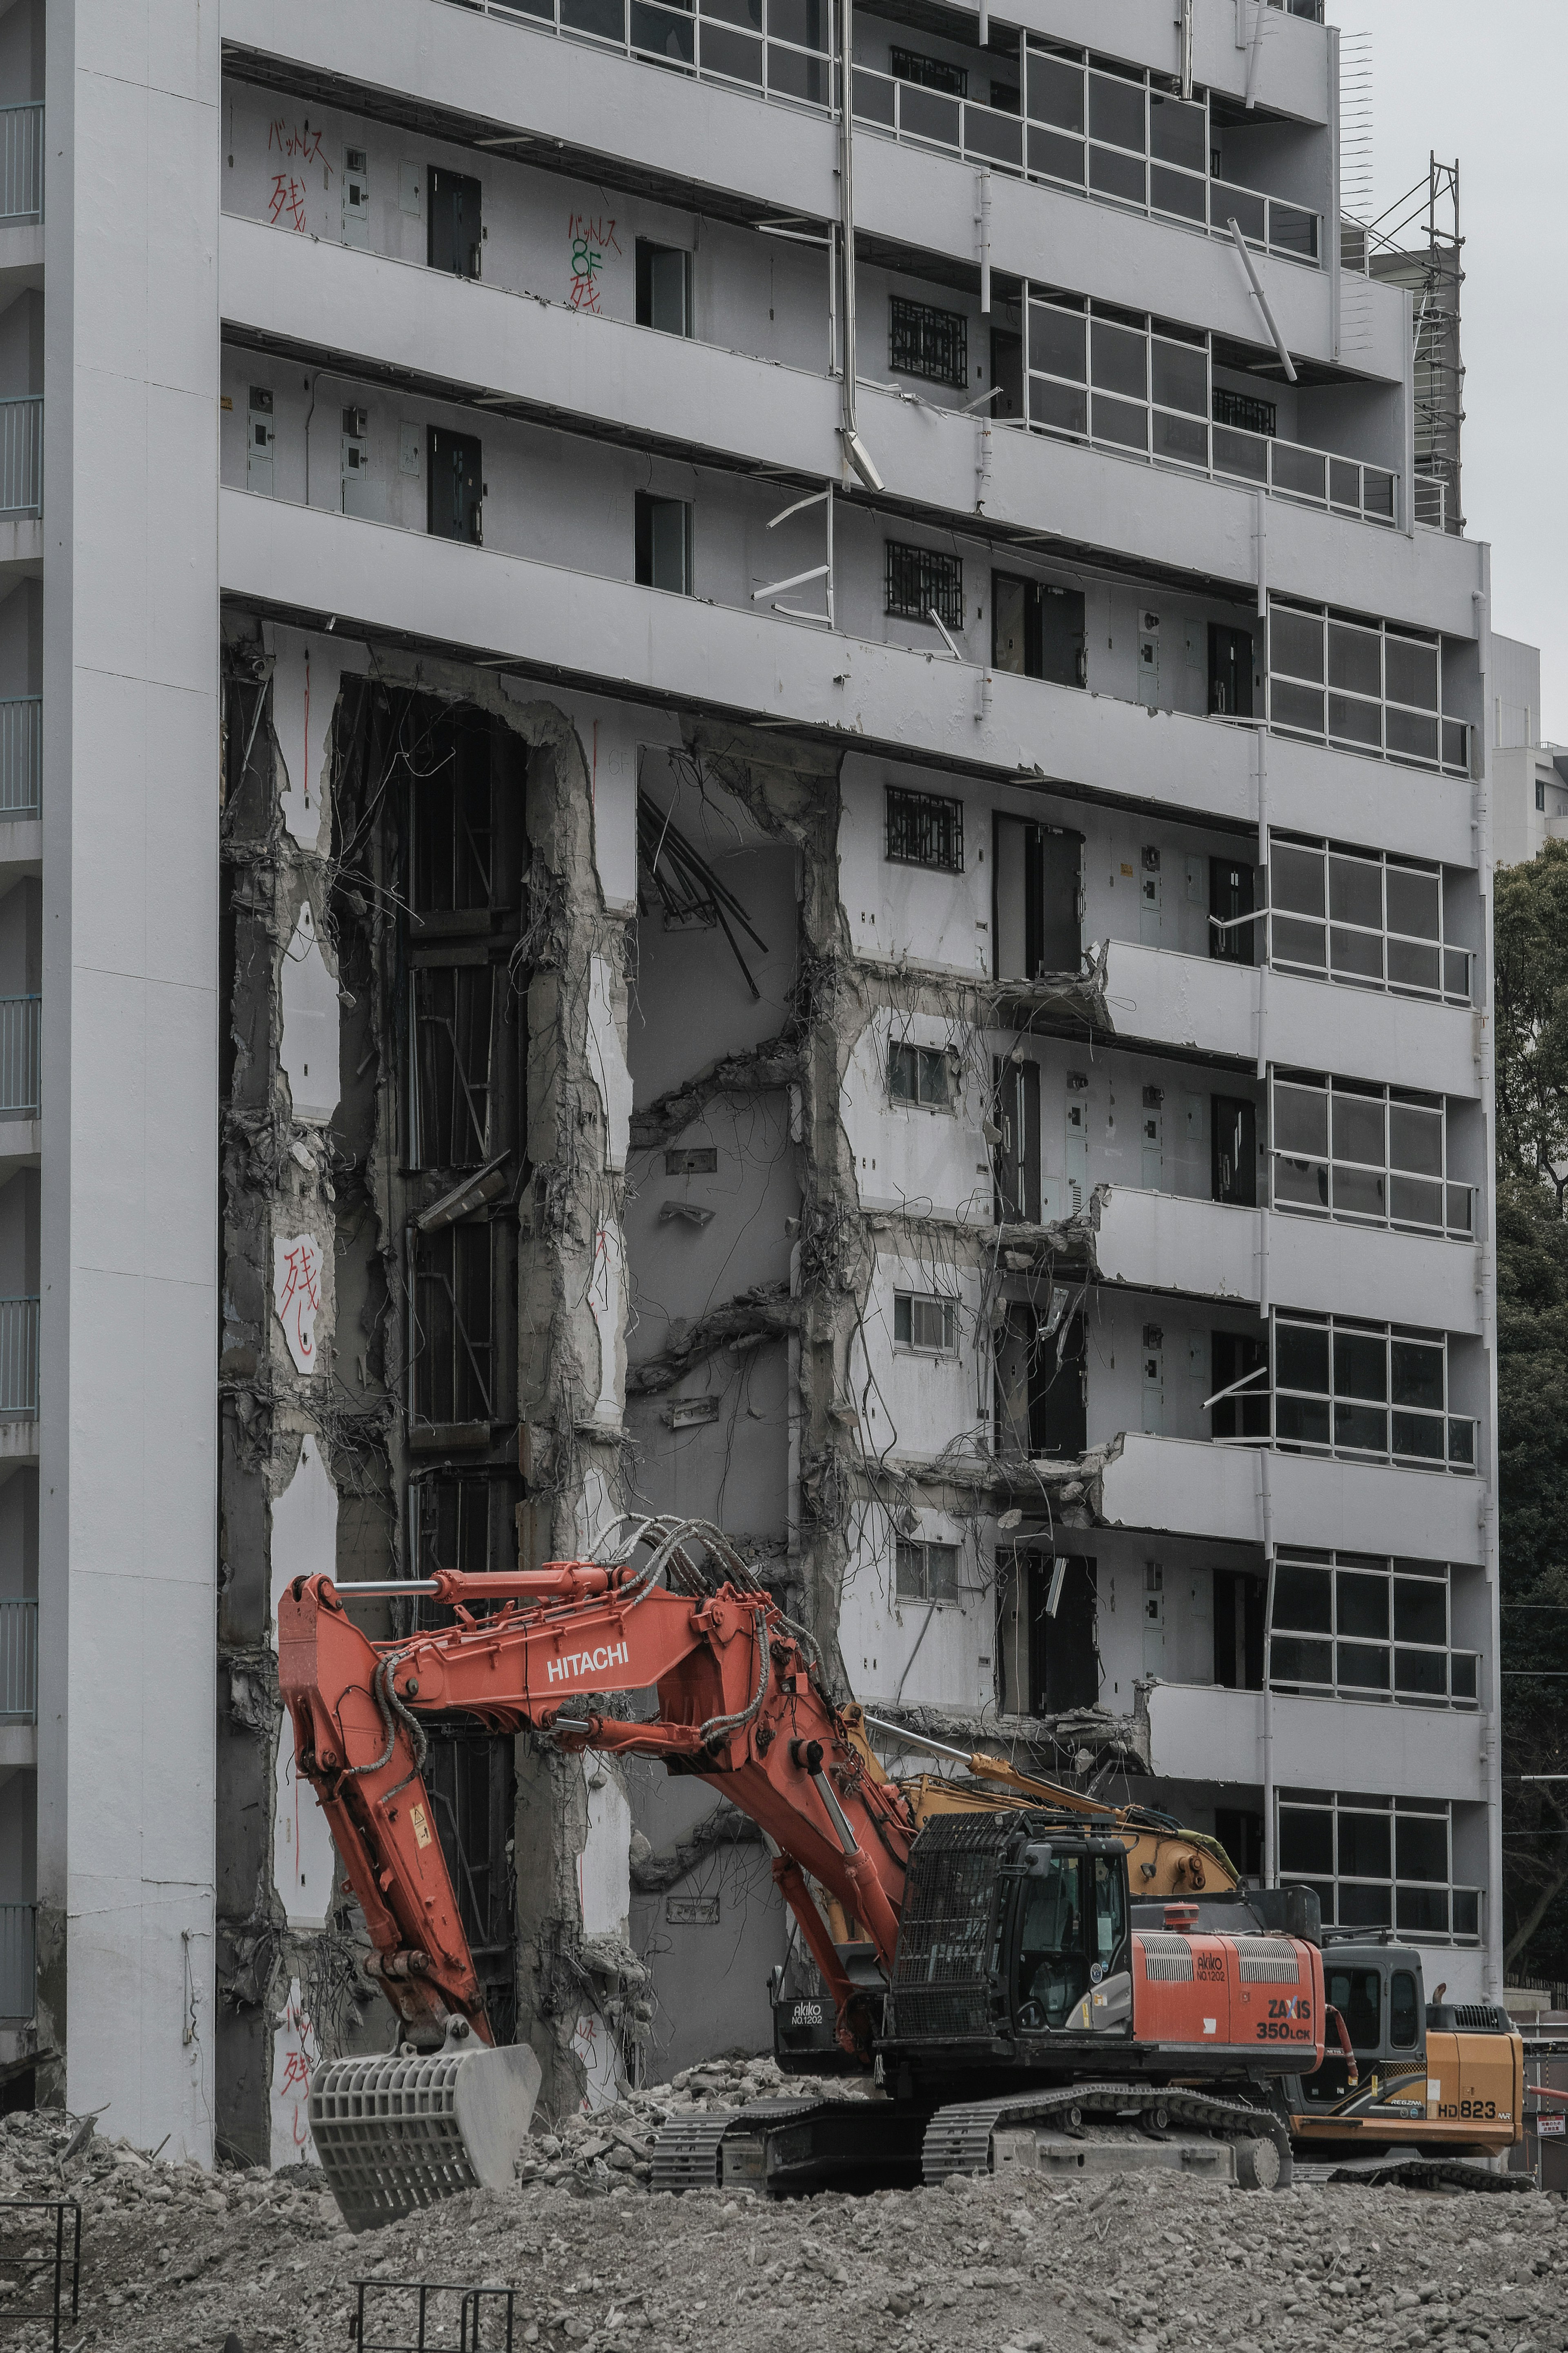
(175, 2260)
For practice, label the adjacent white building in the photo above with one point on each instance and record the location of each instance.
(1530, 776)
(698, 809)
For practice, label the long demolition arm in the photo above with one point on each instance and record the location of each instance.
(738, 1704)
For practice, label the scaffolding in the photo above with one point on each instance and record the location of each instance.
(1433, 270)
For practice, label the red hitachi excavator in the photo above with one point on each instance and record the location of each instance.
(1021, 1998)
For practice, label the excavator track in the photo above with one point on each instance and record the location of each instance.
(788, 2147)
(1420, 2173)
(959, 2139)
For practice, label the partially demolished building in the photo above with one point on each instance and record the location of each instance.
(752, 702)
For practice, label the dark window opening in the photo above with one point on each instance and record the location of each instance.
(452, 1350)
(1243, 412)
(455, 234)
(1006, 373)
(922, 581)
(662, 543)
(1230, 670)
(1064, 1663)
(664, 288)
(470, 1779)
(1241, 1835)
(1038, 630)
(453, 845)
(926, 341)
(1233, 912)
(456, 491)
(1041, 1385)
(453, 1041)
(1240, 1372)
(924, 829)
(1017, 1159)
(930, 73)
(1234, 1151)
(1240, 1608)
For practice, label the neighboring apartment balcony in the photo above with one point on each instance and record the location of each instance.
(21, 165)
(1242, 1494)
(18, 1662)
(1196, 512)
(1204, 1733)
(19, 1962)
(609, 636)
(19, 1030)
(1249, 1013)
(21, 756)
(19, 1365)
(21, 456)
(1164, 1243)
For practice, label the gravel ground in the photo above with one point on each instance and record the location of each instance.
(175, 2260)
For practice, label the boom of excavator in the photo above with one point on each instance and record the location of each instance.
(1027, 1969)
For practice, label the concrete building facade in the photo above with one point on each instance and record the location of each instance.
(715, 809)
(1529, 774)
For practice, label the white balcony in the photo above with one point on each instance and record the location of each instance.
(1240, 1494)
(1201, 1732)
(1217, 1007)
(1160, 1241)
(564, 363)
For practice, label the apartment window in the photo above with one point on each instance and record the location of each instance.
(922, 581)
(452, 1043)
(1355, 1626)
(1378, 1392)
(664, 288)
(1356, 917)
(465, 1520)
(1375, 1155)
(1362, 686)
(921, 1074)
(1244, 412)
(924, 341)
(1540, 794)
(1112, 376)
(450, 825)
(926, 1323)
(924, 829)
(927, 1572)
(1377, 1862)
(930, 73)
(451, 1343)
(662, 535)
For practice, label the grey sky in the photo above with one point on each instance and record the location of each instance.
(1486, 84)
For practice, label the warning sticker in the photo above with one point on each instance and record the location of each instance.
(421, 1826)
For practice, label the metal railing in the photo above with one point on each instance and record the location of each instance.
(764, 56)
(19, 1661)
(22, 162)
(1314, 477)
(19, 1053)
(18, 1359)
(1420, 1678)
(1429, 494)
(21, 754)
(22, 455)
(19, 1959)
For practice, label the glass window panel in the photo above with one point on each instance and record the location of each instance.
(1355, 723)
(1414, 901)
(1456, 743)
(1457, 974)
(1359, 1193)
(1112, 174)
(1364, 1847)
(1244, 454)
(1363, 1605)
(1120, 422)
(1416, 1138)
(1420, 1609)
(1412, 737)
(1298, 942)
(1176, 192)
(1118, 360)
(1303, 1351)
(1183, 440)
(1057, 340)
(1296, 643)
(1365, 1907)
(1061, 408)
(1301, 473)
(1296, 879)
(735, 54)
(1424, 1910)
(1178, 132)
(792, 75)
(1361, 1428)
(1301, 1120)
(1056, 92)
(1292, 1661)
(1461, 1443)
(1300, 1421)
(928, 114)
(1116, 111)
(1358, 1128)
(1296, 706)
(1249, 211)
(1306, 1840)
(808, 23)
(735, 12)
(1357, 1995)
(1054, 156)
(1358, 953)
(1417, 1374)
(1418, 1437)
(1344, 483)
(1462, 1674)
(1292, 230)
(1303, 1184)
(1361, 1364)
(1421, 1847)
(1410, 966)
(1421, 1675)
(1414, 1201)
(1460, 1209)
(876, 96)
(1356, 659)
(1180, 377)
(941, 1569)
(1303, 1599)
(1363, 1666)
(1355, 890)
(1411, 672)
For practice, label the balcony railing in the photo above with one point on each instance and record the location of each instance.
(1315, 1667)
(1430, 495)
(18, 1359)
(19, 1053)
(1316, 477)
(19, 1960)
(781, 50)
(19, 1661)
(22, 163)
(21, 754)
(22, 455)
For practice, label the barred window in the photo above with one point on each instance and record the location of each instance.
(931, 73)
(1242, 411)
(926, 1323)
(927, 1572)
(924, 341)
(925, 830)
(921, 581)
(920, 1074)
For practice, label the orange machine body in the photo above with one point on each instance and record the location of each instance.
(1255, 1995)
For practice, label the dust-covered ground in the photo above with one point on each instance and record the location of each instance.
(176, 2261)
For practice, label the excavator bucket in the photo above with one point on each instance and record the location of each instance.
(400, 2131)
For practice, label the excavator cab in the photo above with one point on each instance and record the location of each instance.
(1069, 1941)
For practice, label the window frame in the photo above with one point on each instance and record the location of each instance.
(1391, 1098)
(1459, 1903)
(1346, 1406)
(904, 1549)
(917, 334)
(1451, 956)
(1451, 756)
(1403, 1686)
(646, 508)
(926, 1057)
(905, 1345)
(940, 589)
(902, 803)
